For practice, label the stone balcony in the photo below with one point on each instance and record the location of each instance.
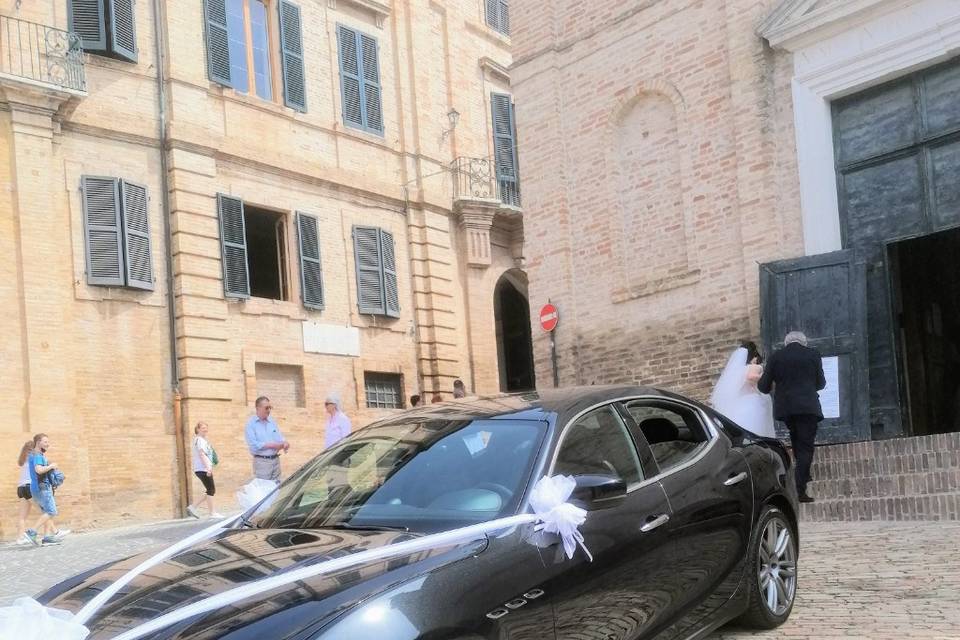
(485, 205)
(39, 57)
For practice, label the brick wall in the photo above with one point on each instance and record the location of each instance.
(656, 142)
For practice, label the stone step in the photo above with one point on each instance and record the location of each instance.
(938, 506)
(906, 484)
(886, 448)
(889, 465)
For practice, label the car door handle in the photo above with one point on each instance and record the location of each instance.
(737, 479)
(653, 523)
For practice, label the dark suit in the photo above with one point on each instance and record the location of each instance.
(795, 374)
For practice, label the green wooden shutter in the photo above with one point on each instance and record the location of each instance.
(87, 20)
(233, 243)
(218, 46)
(505, 149)
(370, 75)
(390, 293)
(366, 253)
(350, 92)
(291, 53)
(123, 31)
(311, 268)
(102, 229)
(493, 13)
(504, 11)
(136, 236)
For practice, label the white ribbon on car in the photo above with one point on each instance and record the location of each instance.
(552, 514)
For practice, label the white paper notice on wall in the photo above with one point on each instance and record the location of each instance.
(331, 339)
(830, 395)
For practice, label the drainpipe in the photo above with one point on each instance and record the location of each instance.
(183, 480)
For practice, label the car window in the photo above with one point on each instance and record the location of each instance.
(599, 443)
(423, 477)
(674, 432)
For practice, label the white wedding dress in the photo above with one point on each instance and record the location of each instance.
(736, 396)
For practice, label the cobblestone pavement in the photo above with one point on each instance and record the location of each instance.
(870, 580)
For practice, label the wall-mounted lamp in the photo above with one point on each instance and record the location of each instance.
(453, 116)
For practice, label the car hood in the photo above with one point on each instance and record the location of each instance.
(241, 556)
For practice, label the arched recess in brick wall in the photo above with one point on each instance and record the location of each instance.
(646, 160)
(511, 310)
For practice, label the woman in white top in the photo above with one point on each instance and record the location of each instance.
(737, 397)
(204, 459)
(23, 493)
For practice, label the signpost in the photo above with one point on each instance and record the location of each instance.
(549, 319)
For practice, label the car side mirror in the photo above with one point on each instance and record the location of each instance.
(599, 491)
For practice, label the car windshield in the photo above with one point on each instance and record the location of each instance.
(421, 477)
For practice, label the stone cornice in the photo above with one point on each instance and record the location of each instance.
(797, 23)
(494, 68)
(380, 10)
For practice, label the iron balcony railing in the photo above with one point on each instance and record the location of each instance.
(476, 178)
(41, 54)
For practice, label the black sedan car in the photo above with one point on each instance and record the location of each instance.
(691, 522)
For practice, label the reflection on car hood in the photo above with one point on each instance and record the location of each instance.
(245, 555)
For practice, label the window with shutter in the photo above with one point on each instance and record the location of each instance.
(136, 234)
(102, 230)
(123, 31)
(218, 44)
(105, 27)
(360, 90)
(291, 50)
(311, 269)
(366, 252)
(233, 242)
(505, 149)
(498, 15)
(390, 292)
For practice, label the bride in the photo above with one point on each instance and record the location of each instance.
(736, 395)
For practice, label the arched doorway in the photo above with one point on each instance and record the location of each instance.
(514, 343)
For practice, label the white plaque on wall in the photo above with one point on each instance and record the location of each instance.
(830, 395)
(331, 338)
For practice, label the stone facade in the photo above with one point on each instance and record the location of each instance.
(93, 366)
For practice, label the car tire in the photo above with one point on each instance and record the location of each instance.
(772, 571)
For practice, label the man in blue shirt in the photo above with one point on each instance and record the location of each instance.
(265, 442)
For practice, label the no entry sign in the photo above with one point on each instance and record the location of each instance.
(549, 317)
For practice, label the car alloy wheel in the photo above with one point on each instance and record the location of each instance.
(777, 566)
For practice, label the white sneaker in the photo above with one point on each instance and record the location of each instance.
(217, 515)
(193, 512)
(24, 539)
(62, 533)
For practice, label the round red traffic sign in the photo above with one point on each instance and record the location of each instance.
(549, 317)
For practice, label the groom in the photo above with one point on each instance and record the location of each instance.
(795, 374)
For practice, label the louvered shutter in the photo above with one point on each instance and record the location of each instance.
(388, 253)
(350, 77)
(311, 269)
(291, 52)
(102, 230)
(504, 17)
(218, 45)
(233, 243)
(87, 20)
(505, 149)
(366, 252)
(493, 13)
(136, 236)
(123, 32)
(370, 66)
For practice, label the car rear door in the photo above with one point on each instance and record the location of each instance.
(708, 485)
(624, 592)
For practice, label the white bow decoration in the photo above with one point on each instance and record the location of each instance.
(556, 515)
(27, 619)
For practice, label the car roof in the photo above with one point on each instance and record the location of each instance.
(541, 404)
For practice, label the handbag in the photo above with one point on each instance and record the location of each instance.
(214, 459)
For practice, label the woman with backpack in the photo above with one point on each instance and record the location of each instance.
(204, 460)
